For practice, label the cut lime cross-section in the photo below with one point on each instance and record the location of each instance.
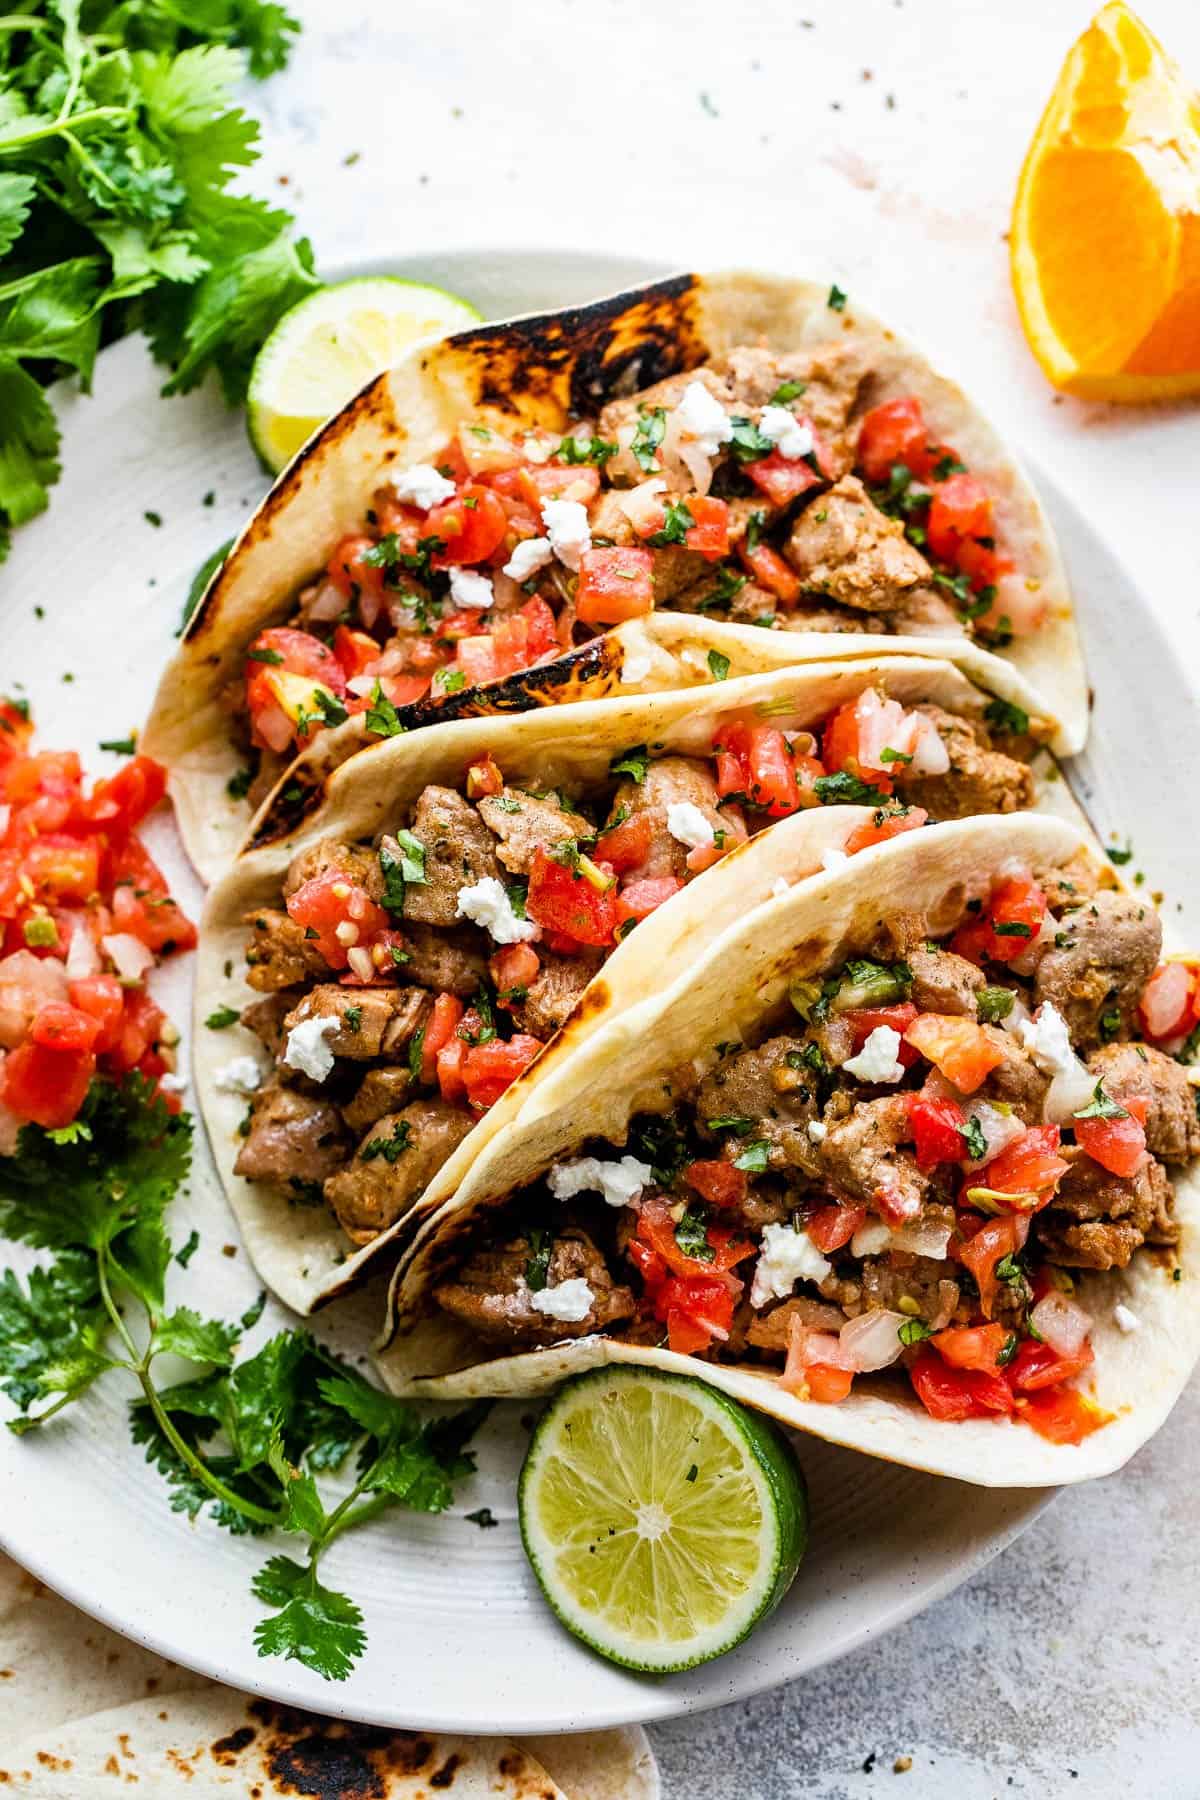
(321, 353)
(662, 1520)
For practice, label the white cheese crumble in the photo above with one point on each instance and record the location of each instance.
(1125, 1319)
(688, 825)
(307, 1050)
(567, 527)
(792, 439)
(702, 419)
(870, 1239)
(487, 903)
(787, 1257)
(176, 1084)
(1047, 1039)
(617, 1182)
(471, 590)
(530, 555)
(422, 486)
(241, 1076)
(817, 1132)
(833, 859)
(570, 1301)
(878, 1060)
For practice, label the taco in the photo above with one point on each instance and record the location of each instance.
(905, 1161)
(455, 914)
(729, 447)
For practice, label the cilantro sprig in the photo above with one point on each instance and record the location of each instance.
(244, 1440)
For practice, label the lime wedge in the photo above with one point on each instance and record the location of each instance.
(662, 1520)
(322, 352)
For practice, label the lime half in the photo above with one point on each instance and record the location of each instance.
(662, 1520)
(324, 349)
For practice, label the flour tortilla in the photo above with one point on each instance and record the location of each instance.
(541, 371)
(217, 1745)
(736, 986)
(301, 1251)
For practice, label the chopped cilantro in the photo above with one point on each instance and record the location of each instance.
(837, 299)
(1003, 716)
(914, 1331)
(718, 665)
(1101, 1106)
(651, 428)
(677, 522)
(691, 1235)
(632, 762)
(754, 1156)
(845, 789)
(787, 390)
(391, 1148)
(222, 1018)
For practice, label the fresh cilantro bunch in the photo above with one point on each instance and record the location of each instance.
(243, 1441)
(118, 145)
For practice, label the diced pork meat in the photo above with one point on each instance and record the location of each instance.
(265, 1017)
(979, 779)
(445, 962)
(393, 1165)
(1111, 946)
(382, 1090)
(370, 1021)
(1017, 1081)
(492, 1295)
(459, 851)
(551, 996)
(674, 571)
(924, 612)
(1139, 1072)
(618, 420)
(292, 1137)
(943, 982)
(1098, 1219)
(673, 780)
(842, 546)
(769, 1330)
(278, 955)
(353, 862)
(1072, 884)
(772, 1089)
(861, 1156)
(809, 615)
(526, 822)
(898, 1282)
(832, 374)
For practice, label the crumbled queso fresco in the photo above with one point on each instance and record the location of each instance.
(422, 486)
(307, 1049)
(487, 903)
(569, 1301)
(617, 1182)
(688, 825)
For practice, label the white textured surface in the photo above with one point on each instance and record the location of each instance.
(1067, 1668)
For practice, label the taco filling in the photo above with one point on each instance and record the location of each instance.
(407, 983)
(762, 488)
(901, 1175)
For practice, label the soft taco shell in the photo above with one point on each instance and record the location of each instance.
(543, 370)
(301, 1252)
(623, 1070)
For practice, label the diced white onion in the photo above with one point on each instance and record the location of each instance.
(83, 958)
(1062, 1322)
(360, 961)
(641, 505)
(129, 955)
(929, 753)
(330, 603)
(872, 1341)
(1018, 1015)
(1000, 1129)
(921, 1239)
(1032, 953)
(1071, 1090)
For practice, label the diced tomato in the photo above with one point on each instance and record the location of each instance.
(57, 772)
(958, 1047)
(139, 1034)
(640, 898)
(709, 532)
(982, 567)
(123, 800)
(863, 1020)
(491, 1068)
(992, 1242)
(768, 568)
(58, 1026)
(484, 780)
(1029, 1165)
(832, 1227)
(154, 919)
(557, 481)
(1118, 1145)
(953, 1394)
(961, 509)
(972, 1346)
(564, 899)
(15, 732)
(755, 760)
(627, 845)
(614, 584)
(440, 1030)
(1038, 1366)
(103, 998)
(1062, 1416)
(274, 661)
(885, 823)
(471, 526)
(451, 1062)
(648, 1263)
(782, 479)
(62, 868)
(355, 651)
(656, 1227)
(485, 452)
(937, 1126)
(892, 433)
(513, 969)
(1170, 1002)
(477, 659)
(841, 743)
(541, 629)
(696, 1309)
(347, 570)
(339, 912)
(1015, 915)
(44, 1085)
(719, 1182)
(827, 1383)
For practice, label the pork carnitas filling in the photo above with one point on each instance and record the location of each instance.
(907, 1170)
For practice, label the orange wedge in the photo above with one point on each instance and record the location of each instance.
(1106, 226)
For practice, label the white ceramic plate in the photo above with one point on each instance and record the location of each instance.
(459, 1638)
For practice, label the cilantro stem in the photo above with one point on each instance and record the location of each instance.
(92, 115)
(348, 1520)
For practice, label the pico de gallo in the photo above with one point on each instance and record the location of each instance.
(908, 1172)
(757, 487)
(85, 916)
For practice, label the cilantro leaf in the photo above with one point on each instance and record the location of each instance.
(316, 1625)
(28, 447)
(50, 1331)
(16, 194)
(186, 1334)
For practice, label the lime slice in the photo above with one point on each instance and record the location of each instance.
(322, 352)
(662, 1520)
